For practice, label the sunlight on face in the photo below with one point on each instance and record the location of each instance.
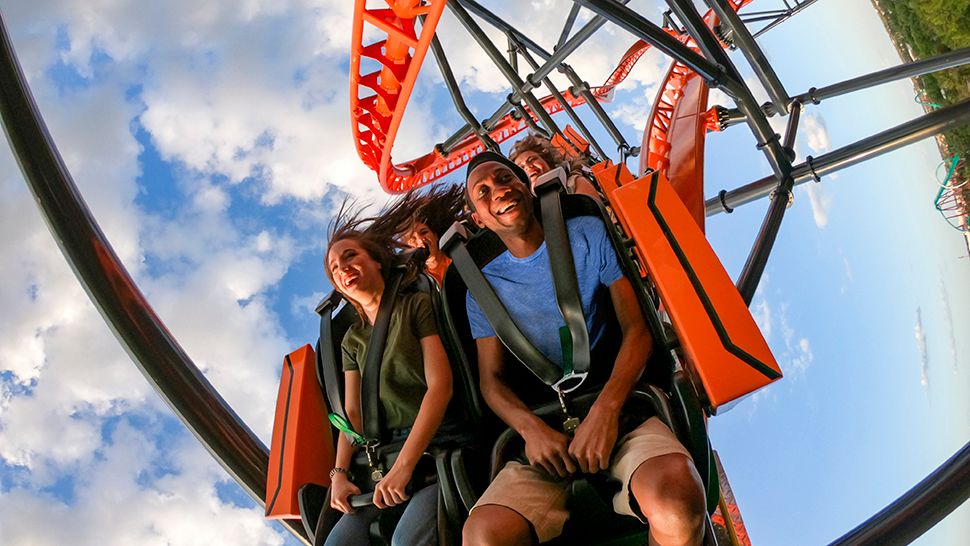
(355, 273)
(532, 163)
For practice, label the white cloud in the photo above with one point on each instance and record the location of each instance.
(948, 318)
(792, 350)
(136, 492)
(924, 356)
(821, 202)
(816, 133)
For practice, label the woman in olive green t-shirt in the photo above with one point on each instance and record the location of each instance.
(415, 382)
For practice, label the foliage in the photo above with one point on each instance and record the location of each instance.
(932, 27)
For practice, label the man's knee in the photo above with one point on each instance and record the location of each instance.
(670, 494)
(494, 525)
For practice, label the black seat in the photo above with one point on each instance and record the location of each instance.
(661, 382)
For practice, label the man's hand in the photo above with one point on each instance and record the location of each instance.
(391, 490)
(594, 439)
(341, 489)
(548, 449)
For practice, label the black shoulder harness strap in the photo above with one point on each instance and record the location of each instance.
(453, 243)
(567, 296)
(370, 396)
(564, 279)
(328, 357)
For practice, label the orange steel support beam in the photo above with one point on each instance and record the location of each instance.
(721, 341)
(302, 449)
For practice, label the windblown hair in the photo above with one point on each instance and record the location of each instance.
(377, 236)
(438, 209)
(549, 153)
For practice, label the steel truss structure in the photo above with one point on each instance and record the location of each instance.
(383, 75)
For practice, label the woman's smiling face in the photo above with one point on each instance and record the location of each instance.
(354, 272)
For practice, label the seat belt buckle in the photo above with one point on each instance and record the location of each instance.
(376, 473)
(569, 382)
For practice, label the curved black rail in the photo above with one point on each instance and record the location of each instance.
(918, 509)
(139, 330)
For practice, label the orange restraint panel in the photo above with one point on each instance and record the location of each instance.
(717, 333)
(302, 448)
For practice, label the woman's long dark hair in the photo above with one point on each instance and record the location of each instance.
(377, 236)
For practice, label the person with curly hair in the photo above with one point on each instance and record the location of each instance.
(415, 379)
(537, 156)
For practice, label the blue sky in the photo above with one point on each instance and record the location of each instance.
(212, 143)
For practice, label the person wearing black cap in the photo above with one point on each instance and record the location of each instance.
(526, 504)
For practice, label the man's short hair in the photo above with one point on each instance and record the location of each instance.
(487, 157)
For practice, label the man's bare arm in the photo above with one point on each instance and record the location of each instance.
(544, 446)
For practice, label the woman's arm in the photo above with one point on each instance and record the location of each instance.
(437, 374)
(342, 487)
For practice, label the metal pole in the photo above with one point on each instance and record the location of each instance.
(581, 88)
(734, 86)
(124, 308)
(788, 15)
(908, 70)
(919, 509)
(752, 52)
(521, 90)
(788, 143)
(642, 28)
(566, 28)
(551, 61)
(944, 119)
(754, 266)
(565, 105)
(814, 95)
(455, 92)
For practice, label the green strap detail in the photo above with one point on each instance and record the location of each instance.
(566, 342)
(343, 425)
(919, 100)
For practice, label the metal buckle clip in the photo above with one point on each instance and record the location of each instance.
(569, 382)
(370, 448)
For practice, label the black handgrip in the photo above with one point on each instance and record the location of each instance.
(360, 501)
(367, 499)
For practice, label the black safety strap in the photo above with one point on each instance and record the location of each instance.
(370, 394)
(565, 284)
(454, 244)
(575, 338)
(328, 357)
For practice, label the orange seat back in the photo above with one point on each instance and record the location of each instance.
(302, 448)
(723, 346)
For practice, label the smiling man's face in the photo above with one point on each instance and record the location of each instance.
(502, 202)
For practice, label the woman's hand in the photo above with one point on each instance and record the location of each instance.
(341, 488)
(391, 490)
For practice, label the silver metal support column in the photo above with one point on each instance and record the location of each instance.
(752, 52)
(944, 119)
(521, 90)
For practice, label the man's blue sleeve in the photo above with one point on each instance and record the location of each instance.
(610, 270)
(476, 319)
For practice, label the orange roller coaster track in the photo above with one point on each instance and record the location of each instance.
(377, 115)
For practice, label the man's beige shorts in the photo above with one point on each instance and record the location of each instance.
(541, 498)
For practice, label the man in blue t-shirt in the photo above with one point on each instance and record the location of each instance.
(527, 503)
